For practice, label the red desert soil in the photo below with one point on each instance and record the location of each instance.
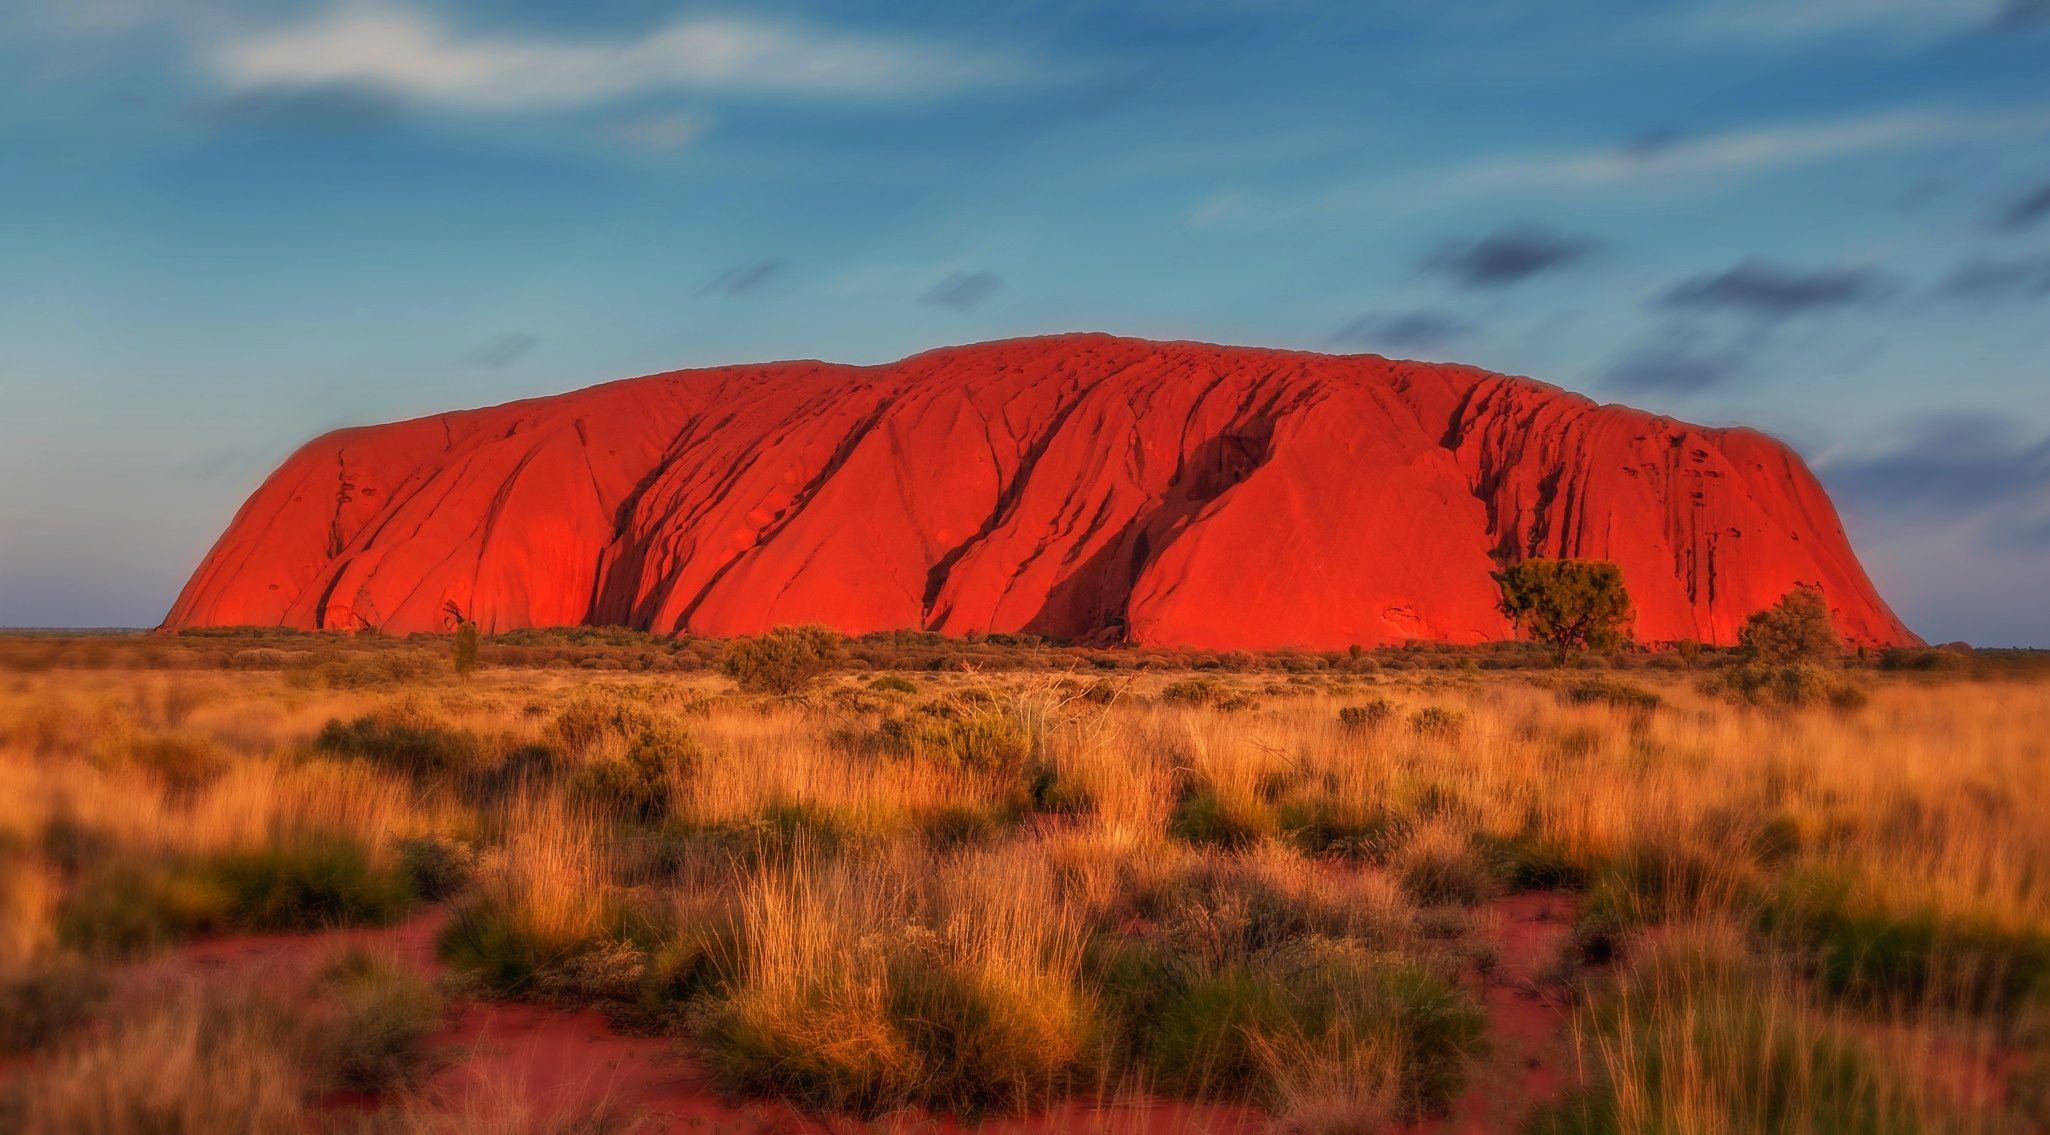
(1529, 1060)
(1081, 487)
(553, 1058)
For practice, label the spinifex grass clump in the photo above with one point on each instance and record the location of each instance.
(304, 882)
(542, 898)
(1871, 948)
(375, 1015)
(309, 883)
(181, 1060)
(864, 986)
(1314, 1024)
(1700, 1035)
(1264, 978)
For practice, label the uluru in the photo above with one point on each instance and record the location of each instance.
(1080, 487)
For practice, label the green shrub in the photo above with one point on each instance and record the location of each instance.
(312, 883)
(1792, 685)
(591, 718)
(787, 660)
(1611, 691)
(636, 784)
(1921, 658)
(437, 868)
(2029, 1087)
(404, 740)
(1133, 979)
(1192, 691)
(892, 684)
(1368, 715)
(983, 738)
(1437, 721)
(361, 669)
(776, 832)
(1224, 910)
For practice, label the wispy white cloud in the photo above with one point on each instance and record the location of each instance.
(661, 132)
(1781, 22)
(1751, 150)
(1680, 161)
(416, 56)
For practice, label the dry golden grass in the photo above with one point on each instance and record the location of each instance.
(976, 892)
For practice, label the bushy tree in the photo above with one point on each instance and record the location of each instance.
(1795, 629)
(1791, 651)
(786, 661)
(1569, 604)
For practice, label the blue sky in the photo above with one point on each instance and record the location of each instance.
(230, 226)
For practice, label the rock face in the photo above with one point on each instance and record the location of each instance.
(1079, 487)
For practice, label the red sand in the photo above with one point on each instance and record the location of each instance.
(1529, 1057)
(1080, 486)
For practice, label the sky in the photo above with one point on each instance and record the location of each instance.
(226, 227)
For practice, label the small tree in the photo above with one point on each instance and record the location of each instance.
(466, 639)
(1570, 604)
(1795, 629)
(785, 661)
(466, 648)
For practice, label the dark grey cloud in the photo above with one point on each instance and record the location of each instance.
(1652, 143)
(742, 278)
(1681, 359)
(1955, 468)
(1771, 293)
(329, 110)
(501, 351)
(1422, 329)
(1994, 278)
(2026, 211)
(2020, 15)
(1508, 256)
(963, 291)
